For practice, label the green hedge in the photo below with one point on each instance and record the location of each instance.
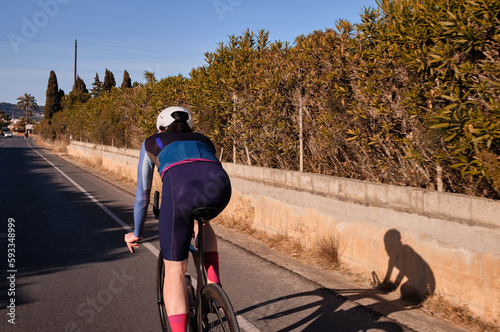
(410, 97)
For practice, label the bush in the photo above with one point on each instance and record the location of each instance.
(408, 97)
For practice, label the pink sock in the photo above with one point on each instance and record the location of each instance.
(178, 323)
(211, 262)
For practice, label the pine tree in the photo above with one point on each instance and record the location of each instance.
(127, 82)
(150, 77)
(53, 97)
(97, 86)
(109, 81)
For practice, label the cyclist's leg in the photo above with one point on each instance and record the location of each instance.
(175, 235)
(211, 256)
(186, 187)
(174, 295)
(216, 188)
(211, 263)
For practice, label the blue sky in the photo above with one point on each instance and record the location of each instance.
(163, 36)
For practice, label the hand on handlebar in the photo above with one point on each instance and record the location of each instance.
(131, 240)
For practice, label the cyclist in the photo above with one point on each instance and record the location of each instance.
(192, 177)
(26, 135)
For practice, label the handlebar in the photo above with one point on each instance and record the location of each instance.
(150, 238)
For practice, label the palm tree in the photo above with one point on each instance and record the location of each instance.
(28, 103)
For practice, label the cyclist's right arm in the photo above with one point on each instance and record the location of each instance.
(145, 172)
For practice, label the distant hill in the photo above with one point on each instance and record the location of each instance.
(12, 111)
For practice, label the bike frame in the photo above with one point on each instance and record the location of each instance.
(201, 274)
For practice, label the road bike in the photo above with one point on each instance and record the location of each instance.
(209, 306)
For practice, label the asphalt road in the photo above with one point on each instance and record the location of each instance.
(71, 271)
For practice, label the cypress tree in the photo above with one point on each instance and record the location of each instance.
(127, 82)
(80, 85)
(109, 81)
(53, 97)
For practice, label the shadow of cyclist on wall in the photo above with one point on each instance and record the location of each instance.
(420, 282)
(352, 309)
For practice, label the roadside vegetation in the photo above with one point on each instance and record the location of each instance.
(408, 97)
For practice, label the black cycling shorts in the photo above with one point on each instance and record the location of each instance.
(185, 188)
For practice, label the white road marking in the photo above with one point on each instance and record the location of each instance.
(93, 199)
(5, 141)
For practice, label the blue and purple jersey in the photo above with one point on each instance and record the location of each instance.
(166, 150)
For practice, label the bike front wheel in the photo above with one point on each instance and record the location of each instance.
(218, 313)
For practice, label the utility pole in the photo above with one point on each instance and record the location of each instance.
(301, 135)
(74, 83)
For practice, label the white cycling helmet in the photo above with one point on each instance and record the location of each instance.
(171, 114)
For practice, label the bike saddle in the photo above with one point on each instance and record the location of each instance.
(205, 213)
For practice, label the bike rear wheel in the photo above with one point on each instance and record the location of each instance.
(218, 313)
(160, 276)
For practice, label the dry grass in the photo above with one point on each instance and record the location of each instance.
(55, 146)
(325, 253)
(457, 315)
(328, 250)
